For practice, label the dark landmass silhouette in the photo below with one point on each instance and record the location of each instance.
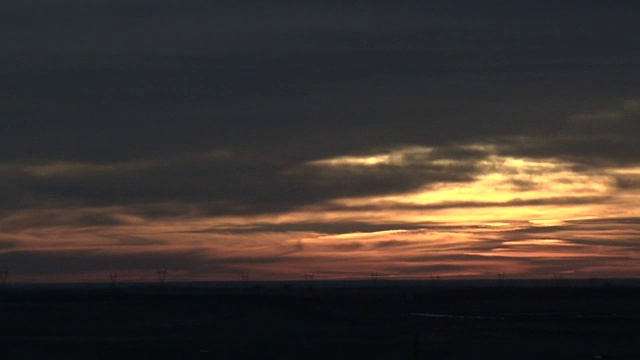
(297, 321)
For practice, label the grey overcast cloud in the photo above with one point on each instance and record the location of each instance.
(212, 138)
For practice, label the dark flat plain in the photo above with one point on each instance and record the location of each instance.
(169, 322)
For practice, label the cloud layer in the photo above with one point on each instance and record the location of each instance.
(258, 136)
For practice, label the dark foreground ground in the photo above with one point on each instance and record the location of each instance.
(297, 323)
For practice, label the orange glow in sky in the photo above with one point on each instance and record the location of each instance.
(523, 217)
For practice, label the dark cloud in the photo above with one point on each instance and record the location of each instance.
(246, 260)
(551, 201)
(570, 266)
(176, 76)
(217, 184)
(345, 247)
(90, 261)
(535, 231)
(612, 221)
(390, 243)
(128, 240)
(606, 136)
(434, 269)
(9, 244)
(595, 226)
(335, 227)
(79, 218)
(628, 182)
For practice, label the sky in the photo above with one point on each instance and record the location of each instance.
(412, 140)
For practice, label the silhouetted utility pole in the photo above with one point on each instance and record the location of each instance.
(245, 280)
(417, 344)
(434, 279)
(162, 275)
(501, 279)
(558, 277)
(308, 279)
(113, 278)
(374, 278)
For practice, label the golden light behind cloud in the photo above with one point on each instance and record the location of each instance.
(453, 229)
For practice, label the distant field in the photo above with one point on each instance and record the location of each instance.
(403, 322)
